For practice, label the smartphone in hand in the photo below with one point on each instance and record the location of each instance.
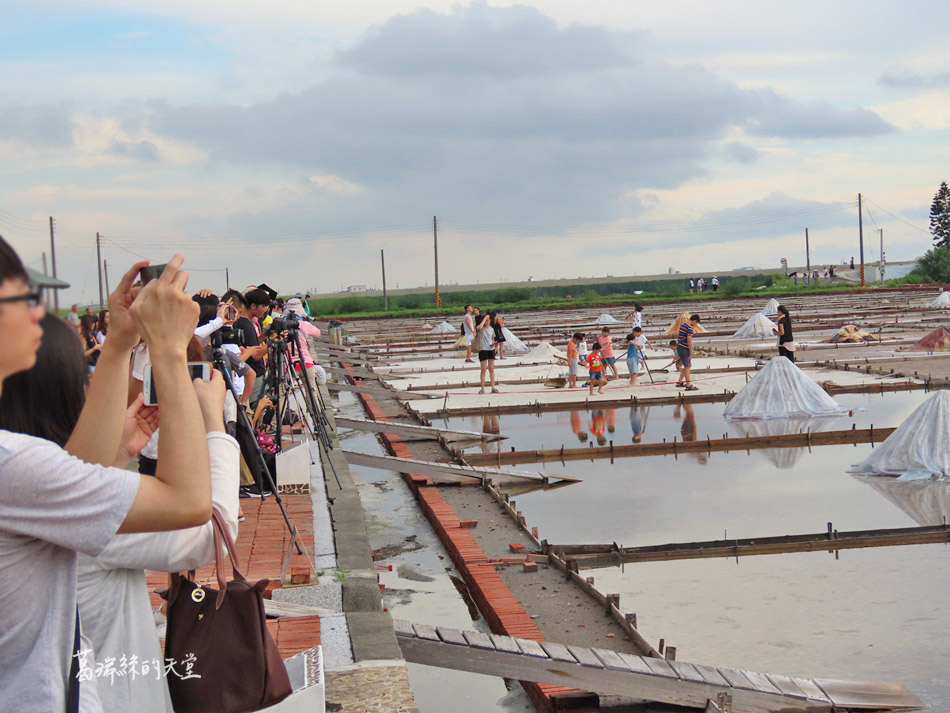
(151, 272)
(196, 370)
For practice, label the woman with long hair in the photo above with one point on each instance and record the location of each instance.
(786, 344)
(102, 328)
(90, 345)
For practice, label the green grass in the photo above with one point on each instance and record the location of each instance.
(422, 305)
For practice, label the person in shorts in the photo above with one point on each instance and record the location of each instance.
(468, 331)
(636, 346)
(595, 365)
(684, 349)
(676, 362)
(607, 350)
(486, 352)
(572, 360)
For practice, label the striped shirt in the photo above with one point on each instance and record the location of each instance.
(685, 331)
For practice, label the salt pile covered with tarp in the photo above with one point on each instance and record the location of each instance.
(606, 319)
(771, 308)
(513, 345)
(781, 390)
(927, 502)
(918, 448)
(941, 300)
(937, 341)
(783, 458)
(850, 334)
(758, 325)
(444, 328)
(675, 326)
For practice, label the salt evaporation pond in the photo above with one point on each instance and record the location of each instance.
(877, 614)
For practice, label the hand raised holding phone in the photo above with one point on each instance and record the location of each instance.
(163, 313)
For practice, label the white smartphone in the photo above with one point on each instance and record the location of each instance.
(196, 369)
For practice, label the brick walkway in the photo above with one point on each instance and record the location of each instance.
(261, 543)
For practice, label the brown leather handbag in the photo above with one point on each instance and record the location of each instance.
(221, 656)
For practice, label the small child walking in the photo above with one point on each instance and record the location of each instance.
(636, 346)
(595, 366)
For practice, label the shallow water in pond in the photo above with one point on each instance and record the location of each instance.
(878, 614)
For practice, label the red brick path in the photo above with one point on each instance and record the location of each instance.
(501, 609)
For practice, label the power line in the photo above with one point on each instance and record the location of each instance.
(897, 217)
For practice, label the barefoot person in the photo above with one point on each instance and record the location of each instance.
(595, 365)
(684, 349)
(607, 350)
(572, 359)
(676, 362)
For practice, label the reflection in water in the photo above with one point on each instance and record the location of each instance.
(784, 458)
(577, 425)
(597, 426)
(490, 425)
(639, 415)
(688, 429)
(926, 501)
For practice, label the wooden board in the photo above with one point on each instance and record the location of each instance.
(448, 471)
(589, 556)
(690, 688)
(334, 386)
(409, 429)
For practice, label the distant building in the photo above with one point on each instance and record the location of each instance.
(356, 288)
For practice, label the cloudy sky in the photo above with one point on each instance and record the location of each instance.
(291, 142)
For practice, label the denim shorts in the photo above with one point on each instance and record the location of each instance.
(684, 355)
(610, 360)
(633, 365)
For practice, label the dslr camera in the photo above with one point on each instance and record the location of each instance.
(287, 323)
(227, 335)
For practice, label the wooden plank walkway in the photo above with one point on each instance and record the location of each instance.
(449, 471)
(652, 679)
(789, 440)
(589, 556)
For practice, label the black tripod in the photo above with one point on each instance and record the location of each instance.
(266, 481)
(318, 426)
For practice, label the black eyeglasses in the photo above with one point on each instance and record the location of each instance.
(32, 299)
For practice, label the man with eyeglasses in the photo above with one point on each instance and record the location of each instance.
(55, 502)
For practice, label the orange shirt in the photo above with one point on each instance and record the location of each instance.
(594, 362)
(571, 350)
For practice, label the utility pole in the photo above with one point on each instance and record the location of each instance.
(99, 265)
(861, 236)
(435, 245)
(105, 269)
(880, 261)
(52, 248)
(227, 280)
(44, 263)
(382, 259)
(807, 255)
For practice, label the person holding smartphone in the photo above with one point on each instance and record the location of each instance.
(55, 502)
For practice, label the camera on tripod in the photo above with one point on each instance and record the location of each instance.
(287, 323)
(227, 335)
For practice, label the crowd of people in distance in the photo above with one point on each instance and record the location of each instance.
(78, 524)
(483, 336)
(699, 284)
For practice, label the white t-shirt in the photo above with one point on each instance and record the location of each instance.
(637, 319)
(52, 506)
(469, 323)
(113, 596)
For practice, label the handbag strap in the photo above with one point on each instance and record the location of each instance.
(72, 685)
(221, 533)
